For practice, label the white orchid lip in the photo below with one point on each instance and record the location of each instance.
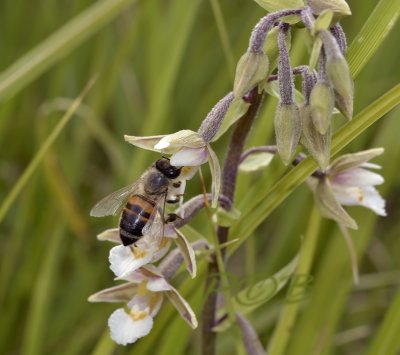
(126, 328)
(366, 196)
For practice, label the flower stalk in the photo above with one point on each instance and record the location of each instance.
(229, 177)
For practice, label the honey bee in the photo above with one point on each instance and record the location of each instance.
(144, 202)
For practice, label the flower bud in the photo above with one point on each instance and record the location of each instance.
(339, 74)
(345, 105)
(339, 7)
(321, 104)
(317, 144)
(251, 69)
(287, 130)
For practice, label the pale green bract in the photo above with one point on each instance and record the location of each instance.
(256, 162)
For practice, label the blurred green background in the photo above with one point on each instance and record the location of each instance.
(160, 67)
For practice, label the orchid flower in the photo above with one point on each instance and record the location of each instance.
(348, 182)
(143, 292)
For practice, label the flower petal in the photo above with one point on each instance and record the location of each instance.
(144, 142)
(124, 260)
(182, 307)
(188, 253)
(352, 160)
(187, 172)
(120, 293)
(111, 235)
(216, 176)
(125, 329)
(356, 177)
(158, 284)
(184, 138)
(367, 196)
(329, 205)
(189, 157)
(163, 248)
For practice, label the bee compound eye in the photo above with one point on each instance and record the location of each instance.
(170, 171)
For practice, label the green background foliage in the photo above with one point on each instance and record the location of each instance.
(160, 67)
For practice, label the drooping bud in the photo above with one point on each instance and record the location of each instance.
(287, 130)
(212, 123)
(309, 79)
(339, 7)
(317, 144)
(321, 104)
(251, 70)
(287, 116)
(339, 74)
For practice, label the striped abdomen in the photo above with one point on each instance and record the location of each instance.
(134, 217)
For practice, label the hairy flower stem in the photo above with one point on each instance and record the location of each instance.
(229, 176)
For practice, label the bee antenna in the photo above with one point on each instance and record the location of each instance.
(165, 157)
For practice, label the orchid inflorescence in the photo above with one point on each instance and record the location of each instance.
(301, 118)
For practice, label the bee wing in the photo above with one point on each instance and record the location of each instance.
(154, 227)
(112, 203)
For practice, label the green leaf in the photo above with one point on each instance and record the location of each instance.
(372, 34)
(254, 296)
(276, 5)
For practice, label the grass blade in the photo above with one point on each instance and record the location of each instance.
(387, 340)
(373, 33)
(45, 54)
(13, 194)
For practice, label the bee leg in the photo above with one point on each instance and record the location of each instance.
(172, 217)
(174, 199)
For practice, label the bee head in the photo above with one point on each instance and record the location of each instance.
(171, 172)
